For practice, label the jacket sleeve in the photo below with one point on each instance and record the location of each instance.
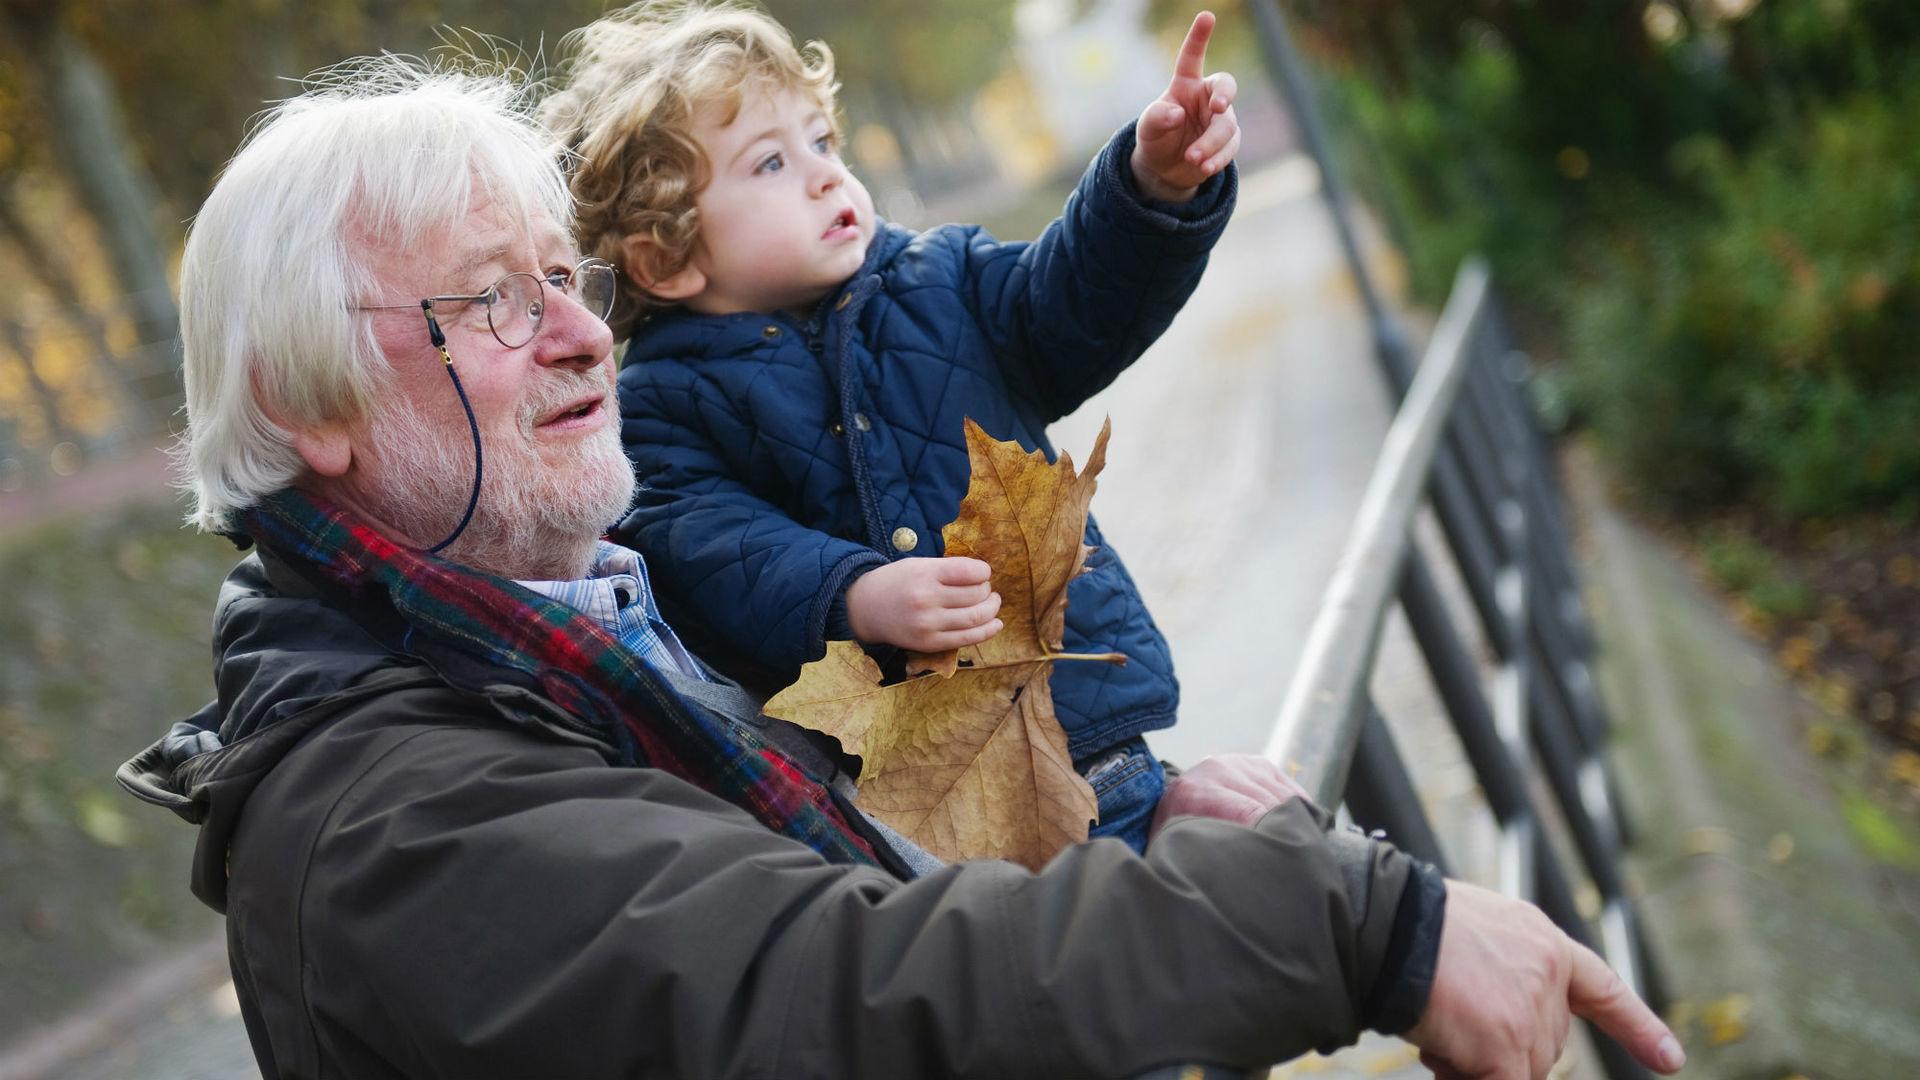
(495, 906)
(1068, 312)
(746, 579)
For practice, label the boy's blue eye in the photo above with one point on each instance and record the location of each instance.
(826, 144)
(772, 164)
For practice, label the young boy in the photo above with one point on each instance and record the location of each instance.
(797, 374)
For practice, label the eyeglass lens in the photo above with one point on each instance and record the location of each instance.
(519, 300)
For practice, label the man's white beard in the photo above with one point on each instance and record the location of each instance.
(535, 518)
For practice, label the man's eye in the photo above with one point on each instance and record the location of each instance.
(772, 164)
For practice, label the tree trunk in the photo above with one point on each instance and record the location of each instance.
(43, 395)
(134, 408)
(91, 141)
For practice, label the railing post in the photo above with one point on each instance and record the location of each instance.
(1283, 62)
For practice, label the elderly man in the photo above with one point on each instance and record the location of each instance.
(471, 809)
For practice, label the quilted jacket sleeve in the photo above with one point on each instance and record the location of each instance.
(1068, 312)
(765, 587)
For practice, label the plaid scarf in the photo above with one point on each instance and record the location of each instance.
(581, 667)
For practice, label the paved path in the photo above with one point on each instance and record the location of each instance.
(1242, 443)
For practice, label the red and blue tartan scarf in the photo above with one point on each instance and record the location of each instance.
(581, 667)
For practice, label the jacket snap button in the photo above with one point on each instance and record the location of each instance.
(845, 299)
(860, 421)
(770, 331)
(905, 539)
(838, 429)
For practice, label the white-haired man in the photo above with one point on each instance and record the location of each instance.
(472, 810)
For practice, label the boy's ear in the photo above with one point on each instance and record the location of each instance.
(642, 258)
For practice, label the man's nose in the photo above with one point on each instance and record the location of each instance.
(570, 334)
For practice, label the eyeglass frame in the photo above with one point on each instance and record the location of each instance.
(541, 282)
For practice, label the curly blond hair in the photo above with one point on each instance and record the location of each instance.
(632, 84)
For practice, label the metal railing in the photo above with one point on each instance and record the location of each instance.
(1464, 442)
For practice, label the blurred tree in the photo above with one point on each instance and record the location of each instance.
(905, 58)
(85, 129)
(930, 53)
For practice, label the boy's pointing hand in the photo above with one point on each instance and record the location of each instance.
(1188, 133)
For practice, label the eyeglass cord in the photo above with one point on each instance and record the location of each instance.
(473, 425)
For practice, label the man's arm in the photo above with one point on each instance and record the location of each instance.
(1496, 999)
(520, 908)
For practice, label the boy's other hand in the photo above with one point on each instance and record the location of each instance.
(925, 605)
(1189, 133)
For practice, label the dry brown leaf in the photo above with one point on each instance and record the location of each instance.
(968, 761)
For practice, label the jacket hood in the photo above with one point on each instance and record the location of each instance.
(284, 662)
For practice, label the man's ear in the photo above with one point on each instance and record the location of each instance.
(327, 449)
(643, 257)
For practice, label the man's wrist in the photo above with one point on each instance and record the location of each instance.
(1405, 980)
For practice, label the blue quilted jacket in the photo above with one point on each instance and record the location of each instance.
(780, 458)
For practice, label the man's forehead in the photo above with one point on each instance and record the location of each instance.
(482, 245)
(493, 239)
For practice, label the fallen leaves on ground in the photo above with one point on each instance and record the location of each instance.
(1725, 1020)
(967, 760)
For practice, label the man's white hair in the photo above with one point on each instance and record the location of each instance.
(389, 149)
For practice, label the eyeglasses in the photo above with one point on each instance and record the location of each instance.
(515, 304)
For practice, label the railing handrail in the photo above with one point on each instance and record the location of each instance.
(1320, 720)
(1462, 442)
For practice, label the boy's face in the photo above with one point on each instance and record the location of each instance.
(782, 221)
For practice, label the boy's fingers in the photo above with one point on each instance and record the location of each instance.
(960, 570)
(1164, 115)
(960, 639)
(1191, 62)
(967, 618)
(1597, 992)
(1221, 90)
(1220, 160)
(1222, 131)
(960, 596)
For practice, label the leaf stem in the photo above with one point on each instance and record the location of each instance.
(1104, 657)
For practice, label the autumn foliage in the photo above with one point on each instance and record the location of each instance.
(966, 758)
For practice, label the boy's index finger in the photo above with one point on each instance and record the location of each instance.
(1192, 61)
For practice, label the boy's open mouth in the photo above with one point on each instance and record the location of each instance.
(845, 219)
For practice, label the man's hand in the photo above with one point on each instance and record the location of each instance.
(1505, 989)
(1188, 133)
(925, 605)
(1240, 788)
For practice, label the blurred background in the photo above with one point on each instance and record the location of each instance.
(1704, 215)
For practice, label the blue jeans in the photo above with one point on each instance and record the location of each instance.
(1128, 780)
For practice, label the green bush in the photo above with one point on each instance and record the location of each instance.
(1766, 350)
(1720, 230)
